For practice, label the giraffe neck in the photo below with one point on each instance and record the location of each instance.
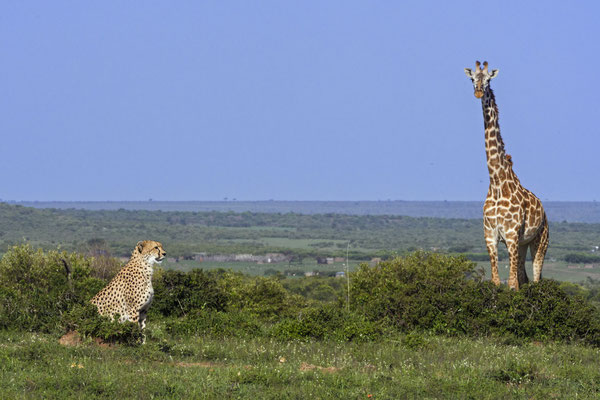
(498, 166)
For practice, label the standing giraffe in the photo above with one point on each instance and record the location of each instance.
(511, 213)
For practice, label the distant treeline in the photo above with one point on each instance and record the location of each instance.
(570, 211)
(303, 235)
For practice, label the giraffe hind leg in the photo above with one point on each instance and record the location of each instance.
(538, 252)
(521, 271)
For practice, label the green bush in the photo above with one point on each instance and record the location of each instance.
(86, 321)
(442, 294)
(35, 290)
(318, 288)
(543, 311)
(422, 290)
(177, 293)
(264, 298)
(327, 322)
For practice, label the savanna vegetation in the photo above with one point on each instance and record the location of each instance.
(425, 325)
(298, 235)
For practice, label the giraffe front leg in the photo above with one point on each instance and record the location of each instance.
(538, 252)
(492, 248)
(513, 253)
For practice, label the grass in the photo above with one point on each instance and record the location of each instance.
(36, 366)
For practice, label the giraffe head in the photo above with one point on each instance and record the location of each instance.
(481, 77)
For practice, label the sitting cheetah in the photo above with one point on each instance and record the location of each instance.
(130, 292)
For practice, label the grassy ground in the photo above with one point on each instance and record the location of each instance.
(36, 366)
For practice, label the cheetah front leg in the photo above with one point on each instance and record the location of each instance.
(142, 319)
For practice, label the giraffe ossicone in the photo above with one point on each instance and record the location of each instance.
(511, 213)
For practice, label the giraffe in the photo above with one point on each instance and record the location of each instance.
(511, 213)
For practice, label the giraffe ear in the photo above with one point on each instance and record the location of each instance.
(493, 74)
(468, 72)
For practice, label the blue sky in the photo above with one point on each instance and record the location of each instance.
(293, 100)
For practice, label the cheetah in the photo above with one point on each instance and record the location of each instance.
(130, 292)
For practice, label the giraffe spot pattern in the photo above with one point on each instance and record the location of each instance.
(512, 214)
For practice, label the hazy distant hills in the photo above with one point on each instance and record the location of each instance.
(557, 210)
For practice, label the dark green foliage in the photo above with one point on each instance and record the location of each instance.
(86, 321)
(327, 322)
(318, 288)
(177, 293)
(431, 292)
(35, 289)
(414, 340)
(267, 299)
(420, 291)
(544, 311)
(50, 292)
(581, 258)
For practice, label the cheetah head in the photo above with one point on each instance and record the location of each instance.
(150, 250)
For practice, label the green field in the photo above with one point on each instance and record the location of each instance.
(36, 366)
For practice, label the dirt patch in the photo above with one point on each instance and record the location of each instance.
(311, 367)
(73, 338)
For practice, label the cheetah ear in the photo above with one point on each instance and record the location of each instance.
(139, 246)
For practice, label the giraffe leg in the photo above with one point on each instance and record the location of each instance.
(522, 272)
(492, 248)
(538, 252)
(513, 253)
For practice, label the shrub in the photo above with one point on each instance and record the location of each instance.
(177, 293)
(326, 322)
(35, 289)
(86, 320)
(265, 298)
(544, 311)
(421, 291)
(319, 288)
(436, 293)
